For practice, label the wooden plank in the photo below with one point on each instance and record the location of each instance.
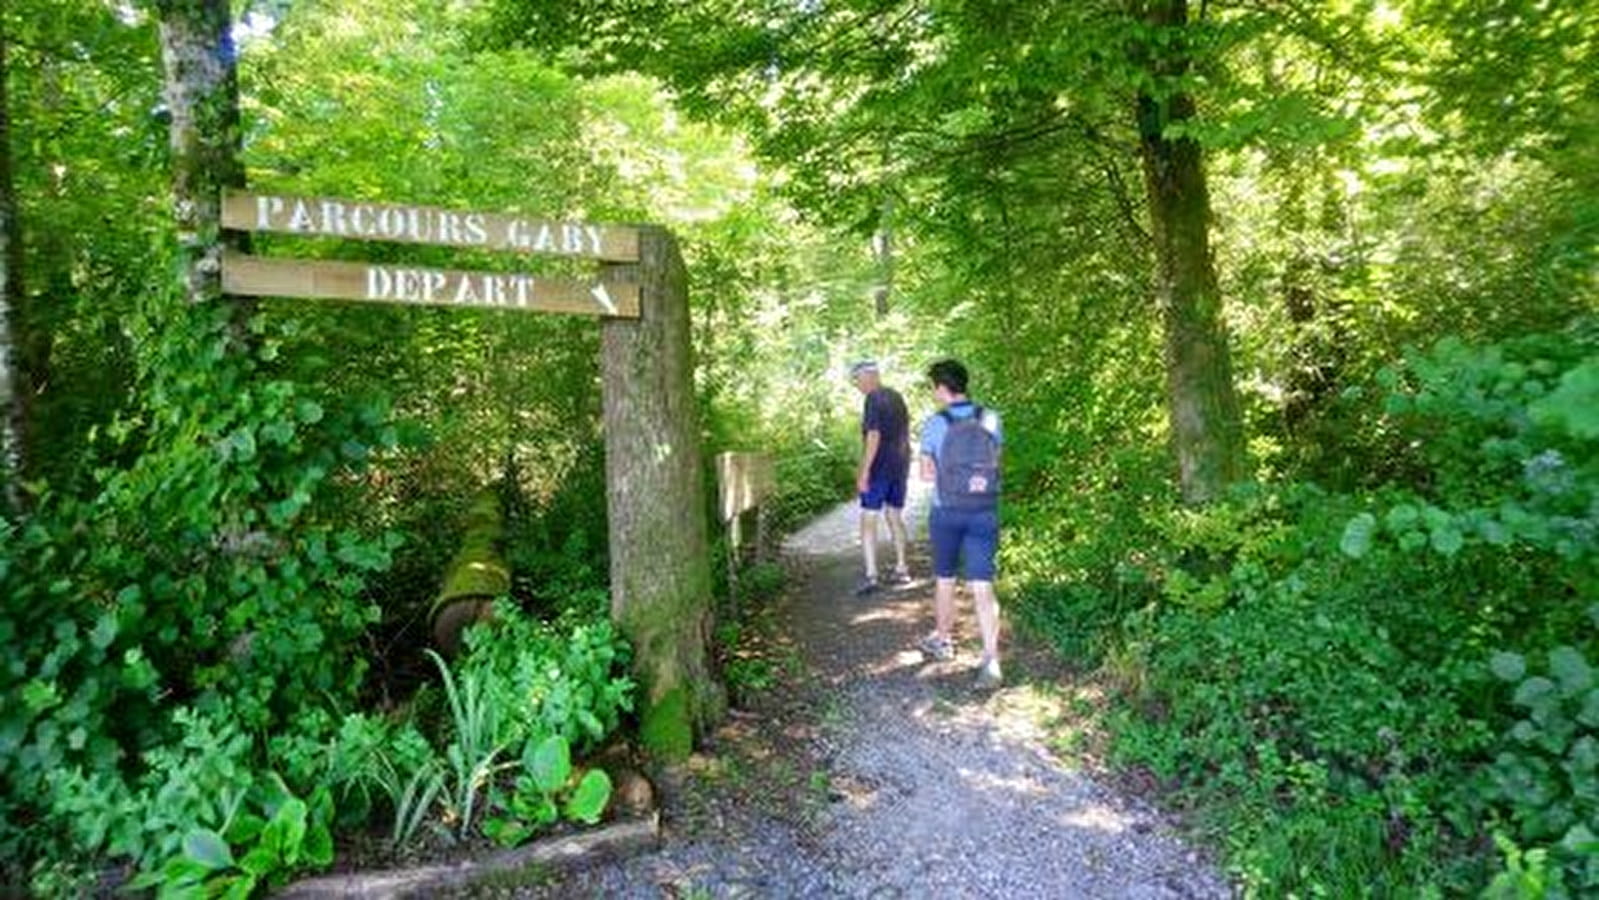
(254, 276)
(612, 841)
(743, 481)
(332, 217)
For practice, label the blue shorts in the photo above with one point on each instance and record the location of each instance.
(884, 489)
(957, 533)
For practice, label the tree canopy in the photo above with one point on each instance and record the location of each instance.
(1289, 307)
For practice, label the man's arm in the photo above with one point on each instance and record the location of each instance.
(874, 440)
(929, 469)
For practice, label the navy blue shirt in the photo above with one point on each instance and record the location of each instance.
(884, 413)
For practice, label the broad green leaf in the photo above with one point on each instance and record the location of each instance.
(261, 861)
(1401, 518)
(1579, 840)
(1571, 670)
(318, 848)
(1447, 540)
(1574, 405)
(550, 763)
(207, 848)
(588, 801)
(1508, 666)
(1357, 535)
(1589, 714)
(105, 631)
(1534, 692)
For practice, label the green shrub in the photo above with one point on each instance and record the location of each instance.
(1307, 668)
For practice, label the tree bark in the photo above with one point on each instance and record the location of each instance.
(14, 388)
(202, 94)
(660, 558)
(1206, 423)
(883, 251)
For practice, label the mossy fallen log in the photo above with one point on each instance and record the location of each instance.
(475, 576)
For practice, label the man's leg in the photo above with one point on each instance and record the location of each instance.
(980, 546)
(871, 508)
(944, 608)
(987, 604)
(895, 517)
(945, 537)
(869, 541)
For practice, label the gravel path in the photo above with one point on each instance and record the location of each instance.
(885, 775)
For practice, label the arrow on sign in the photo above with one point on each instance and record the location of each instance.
(604, 297)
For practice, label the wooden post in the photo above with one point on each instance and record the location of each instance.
(660, 557)
(734, 538)
(761, 537)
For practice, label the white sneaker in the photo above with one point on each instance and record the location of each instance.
(989, 675)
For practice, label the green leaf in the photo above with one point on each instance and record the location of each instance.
(588, 801)
(308, 411)
(207, 848)
(105, 631)
(1357, 535)
(550, 763)
(261, 861)
(506, 832)
(1574, 405)
(1447, 540)
(1579, 840)
(318, 849)
(1533, 692)
(1589, 714)
(246, 827)
(1571, 670)
(293, 816)
(1508, 666)
(1401, 518)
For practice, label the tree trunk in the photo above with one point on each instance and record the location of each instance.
(1206, 425)
(202, 93)
(13, 381)
(660, 558)
(883, 251)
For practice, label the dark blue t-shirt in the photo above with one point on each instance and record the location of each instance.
(884, 413)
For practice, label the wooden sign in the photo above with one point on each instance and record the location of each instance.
(743, 481)
(328, 217)
(254, 276)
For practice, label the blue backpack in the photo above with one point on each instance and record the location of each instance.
(968, 464)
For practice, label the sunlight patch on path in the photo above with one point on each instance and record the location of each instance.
(839, 530)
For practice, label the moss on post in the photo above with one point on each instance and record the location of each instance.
(666, 728)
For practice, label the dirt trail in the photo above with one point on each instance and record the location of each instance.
(886, 775)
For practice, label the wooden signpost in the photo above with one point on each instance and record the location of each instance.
(257, 277)
(253, 276)
(359, 220)
(659, 551)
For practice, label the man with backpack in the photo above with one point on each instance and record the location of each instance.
(884, 470)
(960, 453)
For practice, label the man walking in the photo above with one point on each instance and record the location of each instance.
(960, 453)
(883, 472)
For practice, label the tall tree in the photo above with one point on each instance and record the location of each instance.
(13, 380)
(202, 93)
(1206, 424)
